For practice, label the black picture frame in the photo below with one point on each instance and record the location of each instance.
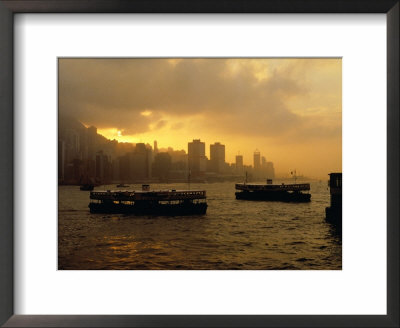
(10, 7)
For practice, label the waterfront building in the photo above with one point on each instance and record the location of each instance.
(103, 168)
(92, 142)
(263, 162)
(123, 161)
(115, 170)
(179, 156)
(162, 166)
(257, 161)
(270, 171)
(140, 163)
(217, 157)
(197, 159)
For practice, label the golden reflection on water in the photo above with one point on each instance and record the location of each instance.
(233, 235)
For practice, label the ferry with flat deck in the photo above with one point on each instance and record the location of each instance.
(274, 192)
(149, 202)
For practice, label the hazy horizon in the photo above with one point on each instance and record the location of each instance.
(288, 109)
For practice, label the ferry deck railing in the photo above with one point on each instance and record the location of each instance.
(148, 195)
(282, 187)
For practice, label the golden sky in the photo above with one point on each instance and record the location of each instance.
(290, 109)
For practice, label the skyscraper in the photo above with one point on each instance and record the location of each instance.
(91, 141)
(162, 165)
(217, 157)
(263, 161)
(270, 170)
(257, 160)
(197, 157)
(155, 147)
(103, 167)
(140, 163)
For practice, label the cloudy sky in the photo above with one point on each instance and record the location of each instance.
(288, 109)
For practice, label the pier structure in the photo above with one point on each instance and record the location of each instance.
(334, 211)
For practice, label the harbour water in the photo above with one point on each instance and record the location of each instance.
(234, 234)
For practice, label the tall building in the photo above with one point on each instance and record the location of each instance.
(197, 160)
(103, 168)
(155, 147)
(72, 145)
(263, 161)
(267, 169)
(178, 156)
(162, 165)
(124, 173)
(140, 163)
(256, 160)
(217, 157)
(91, 141)
(115, 170)
(270, 170)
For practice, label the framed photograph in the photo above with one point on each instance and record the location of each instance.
(181, 164)
(152, 161)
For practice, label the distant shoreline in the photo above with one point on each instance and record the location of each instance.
(205, 181)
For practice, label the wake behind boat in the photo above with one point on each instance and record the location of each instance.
(274, 192)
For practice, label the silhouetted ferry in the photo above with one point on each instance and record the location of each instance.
(274, 192)
(146, 202)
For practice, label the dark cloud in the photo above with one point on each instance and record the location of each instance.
(177, 126)
(114, 93)
(160, 124)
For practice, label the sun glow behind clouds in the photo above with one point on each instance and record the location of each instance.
(146, 113)
(115, 134)
(289, 108)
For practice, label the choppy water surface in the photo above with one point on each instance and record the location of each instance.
(235, 234)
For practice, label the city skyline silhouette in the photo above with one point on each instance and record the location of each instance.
(289, 109)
